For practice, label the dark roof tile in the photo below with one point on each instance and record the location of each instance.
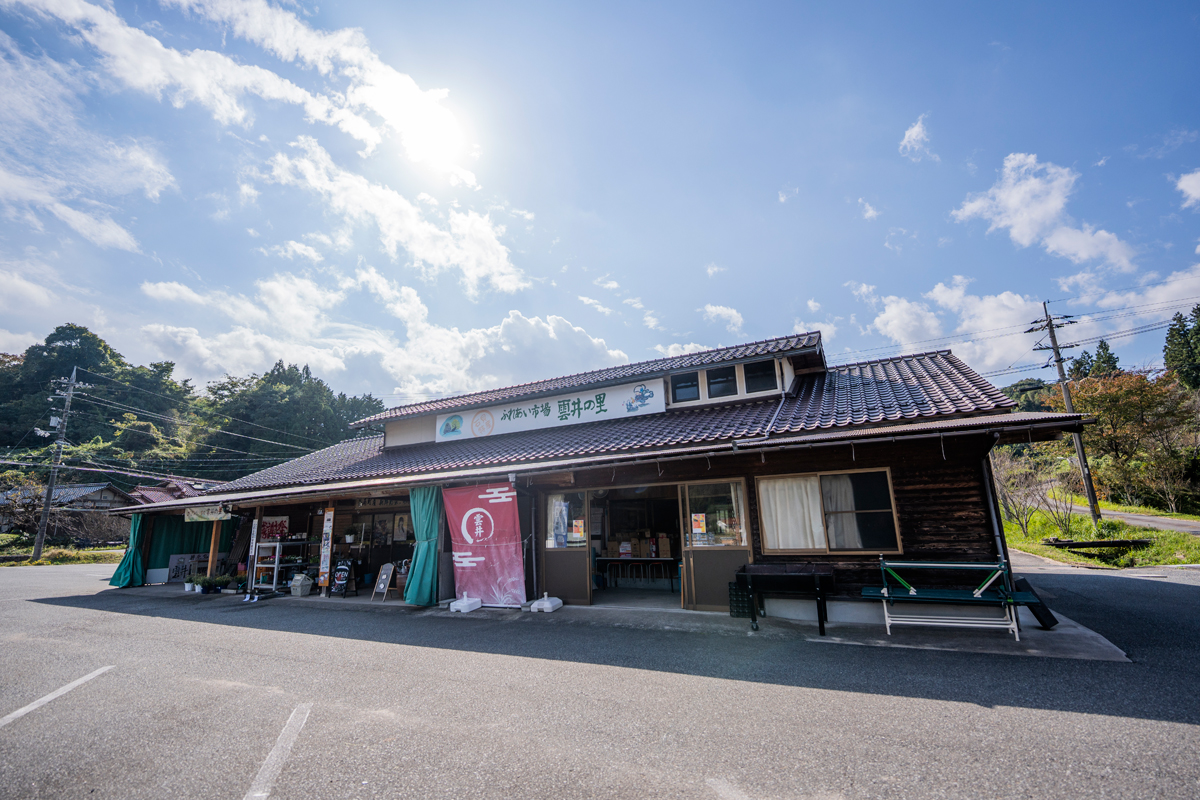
(885, 391)
(619, 374)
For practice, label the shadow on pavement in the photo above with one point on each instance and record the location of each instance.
(1156, 623)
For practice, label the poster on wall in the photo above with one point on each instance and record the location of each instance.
(326, 548)
(274, 527)
(485, 536)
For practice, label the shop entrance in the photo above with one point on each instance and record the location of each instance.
(657, 546)
(636, 546)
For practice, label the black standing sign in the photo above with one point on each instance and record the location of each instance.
(343, 579)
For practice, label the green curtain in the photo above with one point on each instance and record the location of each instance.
(172, 535)
(427, 514)
(131, 571)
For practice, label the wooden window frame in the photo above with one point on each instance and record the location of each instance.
(685, 517)
(761, 392)
(826, 550)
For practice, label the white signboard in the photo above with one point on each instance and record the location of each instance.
(611, 402)
(180, 566)
(204, 514)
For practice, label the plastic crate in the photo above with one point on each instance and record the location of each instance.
(301, 585)
(739, 601)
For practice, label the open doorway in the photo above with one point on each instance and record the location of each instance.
(636, 544)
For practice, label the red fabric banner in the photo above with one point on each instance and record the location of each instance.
(485, 537)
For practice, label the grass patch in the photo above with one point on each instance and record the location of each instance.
(69, 557)
(6, 539)
(1166, 548)
(1105, 505)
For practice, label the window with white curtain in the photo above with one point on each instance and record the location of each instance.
(829, 512)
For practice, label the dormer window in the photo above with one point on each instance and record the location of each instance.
(760, 376)
(685, 387)
(722, 382)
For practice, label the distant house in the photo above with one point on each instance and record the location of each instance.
(67, 497)
(171, 489)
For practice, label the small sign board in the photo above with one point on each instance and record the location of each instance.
(326, 548)
(204, 514)
(384, 583)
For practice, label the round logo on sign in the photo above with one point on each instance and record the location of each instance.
(477, 525)
(482, 423)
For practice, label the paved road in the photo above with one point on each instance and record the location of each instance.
(213, 699)
(1145, 520)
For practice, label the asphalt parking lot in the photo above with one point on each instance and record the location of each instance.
(211, 698)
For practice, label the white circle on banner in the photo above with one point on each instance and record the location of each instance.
(478, 526)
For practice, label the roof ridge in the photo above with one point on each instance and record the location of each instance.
(901, 357)
(638, 368)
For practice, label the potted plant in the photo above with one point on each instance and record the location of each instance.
(348, 535)
(189, 583)
(220, 582)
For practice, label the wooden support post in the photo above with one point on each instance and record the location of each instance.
(212, 548)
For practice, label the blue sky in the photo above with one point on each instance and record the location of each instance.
(418, 199)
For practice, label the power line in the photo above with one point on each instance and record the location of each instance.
(113, 471)
(199, 445)
(172, 420)
(195, 400)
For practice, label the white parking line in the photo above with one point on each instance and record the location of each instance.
(265, 780)
(36, 704)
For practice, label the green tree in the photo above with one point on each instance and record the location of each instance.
(1027, 393)
(1180, 350)
(1106, 361)
(1080, 366)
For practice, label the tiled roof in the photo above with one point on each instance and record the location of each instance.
(65, 494)
(903, 389)
(156, 494)
(611, 375)
(888, 390)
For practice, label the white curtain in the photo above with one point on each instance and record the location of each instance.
(791, 513)
(843, 528)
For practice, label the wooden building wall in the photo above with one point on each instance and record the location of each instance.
(938, 485)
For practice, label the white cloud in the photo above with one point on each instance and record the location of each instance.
(915, 144)
(22, 294)
(1189, 184)
(906, 322)
(895, 237)
(1172, 142)
(1101, 162)
(16, 342)
(1029, 201)
(526, 215)
(604, 283)
(729, 316)
(1007, 311)
(518, 349)
(672, 350)
(787, 193)
(713, 269)
(636, 302)
(587, 301)
(428, 130)
(865, 292)
(290, 318)
(813, 305)
(868, 211)
(828, 328)
(253, 232)
(471, 244)
(50, 163)
(652, 322)
(293, 249)
(247, 193)
(211, 79)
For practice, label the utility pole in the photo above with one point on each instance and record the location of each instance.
(1049, 324)
(58, 448)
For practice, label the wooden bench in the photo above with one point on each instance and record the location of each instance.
(805, 580)
(995, 591)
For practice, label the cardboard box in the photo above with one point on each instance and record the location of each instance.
(664, 547)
